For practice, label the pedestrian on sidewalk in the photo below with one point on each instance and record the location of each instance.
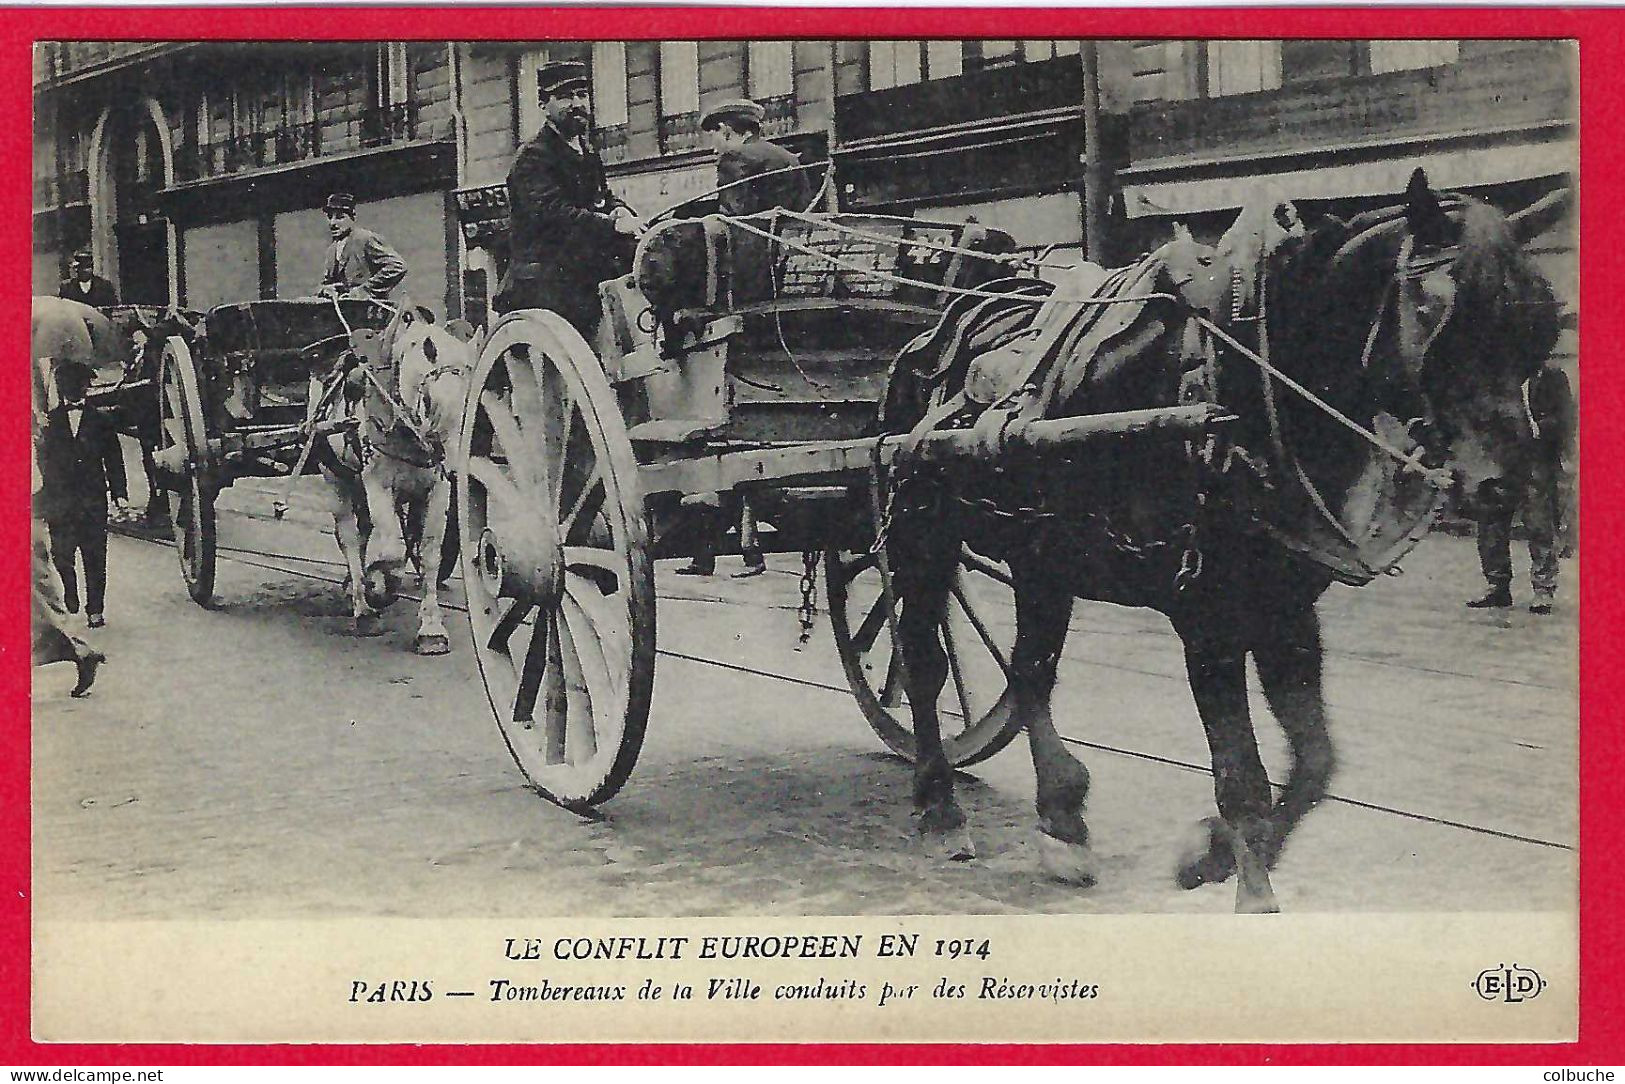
(81, 470)
(1534, 485)
(51, 640)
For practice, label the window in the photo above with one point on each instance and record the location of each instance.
(679, 96)
(993, 54)
(1032, 51)
(770, 69)
(900, 63)
(1303, 61)
(679, 78)
(1242, 67)
(397, 74)
(894, 64)
(609, 83)
(944, 59)
(1394, 56)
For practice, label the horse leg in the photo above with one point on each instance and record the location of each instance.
(1218, 679)
(1042, 614)
(432, 638)
(923, 564)
(1289, 669)
(386, 547)
(347, 529)
(449, 540)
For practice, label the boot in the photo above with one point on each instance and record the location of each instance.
(87, 662)
(1542, 604)
(1496, 598)
(698, 567)
(754, 565)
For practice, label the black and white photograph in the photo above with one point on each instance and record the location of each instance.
(566, 484)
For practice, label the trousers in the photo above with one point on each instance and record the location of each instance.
(50, 642)
(1535, 491)
(86, 540)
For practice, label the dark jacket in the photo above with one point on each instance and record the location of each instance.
(788, 189)
(753, 276)
(364, 260)
(78, 472)
(101, 294)
(563, 243)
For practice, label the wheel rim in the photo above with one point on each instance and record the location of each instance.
(556, 566)
(977, 635)
(180, 424)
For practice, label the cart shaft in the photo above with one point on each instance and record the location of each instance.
(807, 463)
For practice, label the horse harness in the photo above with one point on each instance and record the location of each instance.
(406, 419)
(1199, 364)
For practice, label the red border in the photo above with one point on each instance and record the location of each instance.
(1602, 761)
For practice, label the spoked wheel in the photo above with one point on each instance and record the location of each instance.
(977, 634)
(555, 560)
(180, 424)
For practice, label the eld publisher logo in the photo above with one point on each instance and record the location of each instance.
(1510, 984)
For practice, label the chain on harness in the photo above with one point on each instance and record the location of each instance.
(807, 610)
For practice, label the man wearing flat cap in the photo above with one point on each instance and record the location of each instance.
(85, 286)
(753, 174)
(568, 232)
(360, 263)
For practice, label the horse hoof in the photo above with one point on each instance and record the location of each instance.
(949, 845)
(1260, 903)
(379, 588)
(368, 625)
(1207, 859)
(1071, 863)
(432, 645)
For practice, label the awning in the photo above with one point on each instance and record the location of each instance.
(1466, 168)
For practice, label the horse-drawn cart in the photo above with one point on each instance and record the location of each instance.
(232, 402)
(742, 366)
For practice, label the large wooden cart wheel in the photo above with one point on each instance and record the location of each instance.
(977, 634)
(555, 559)
(180, 424)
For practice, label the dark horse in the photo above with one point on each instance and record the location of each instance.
(1417, 324)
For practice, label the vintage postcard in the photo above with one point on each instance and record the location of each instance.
(595, 526)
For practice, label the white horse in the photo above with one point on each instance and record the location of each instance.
(389, 478)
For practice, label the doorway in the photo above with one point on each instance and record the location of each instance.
(140, 231)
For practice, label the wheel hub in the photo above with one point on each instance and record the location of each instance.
(519, 564)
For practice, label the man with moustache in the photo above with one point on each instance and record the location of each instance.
(360, 263)
(568, 232)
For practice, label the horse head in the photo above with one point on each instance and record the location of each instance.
(1187, 265)
(426, 369)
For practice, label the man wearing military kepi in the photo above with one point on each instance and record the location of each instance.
(568, 232)
(360, 263)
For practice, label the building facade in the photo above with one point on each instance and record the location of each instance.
(195, 171)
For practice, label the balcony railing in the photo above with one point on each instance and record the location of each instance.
(613, 143)
(53, 191)
(781, 116)
(298, 142)
(61, 59)
(388, 124)
(680, 132)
